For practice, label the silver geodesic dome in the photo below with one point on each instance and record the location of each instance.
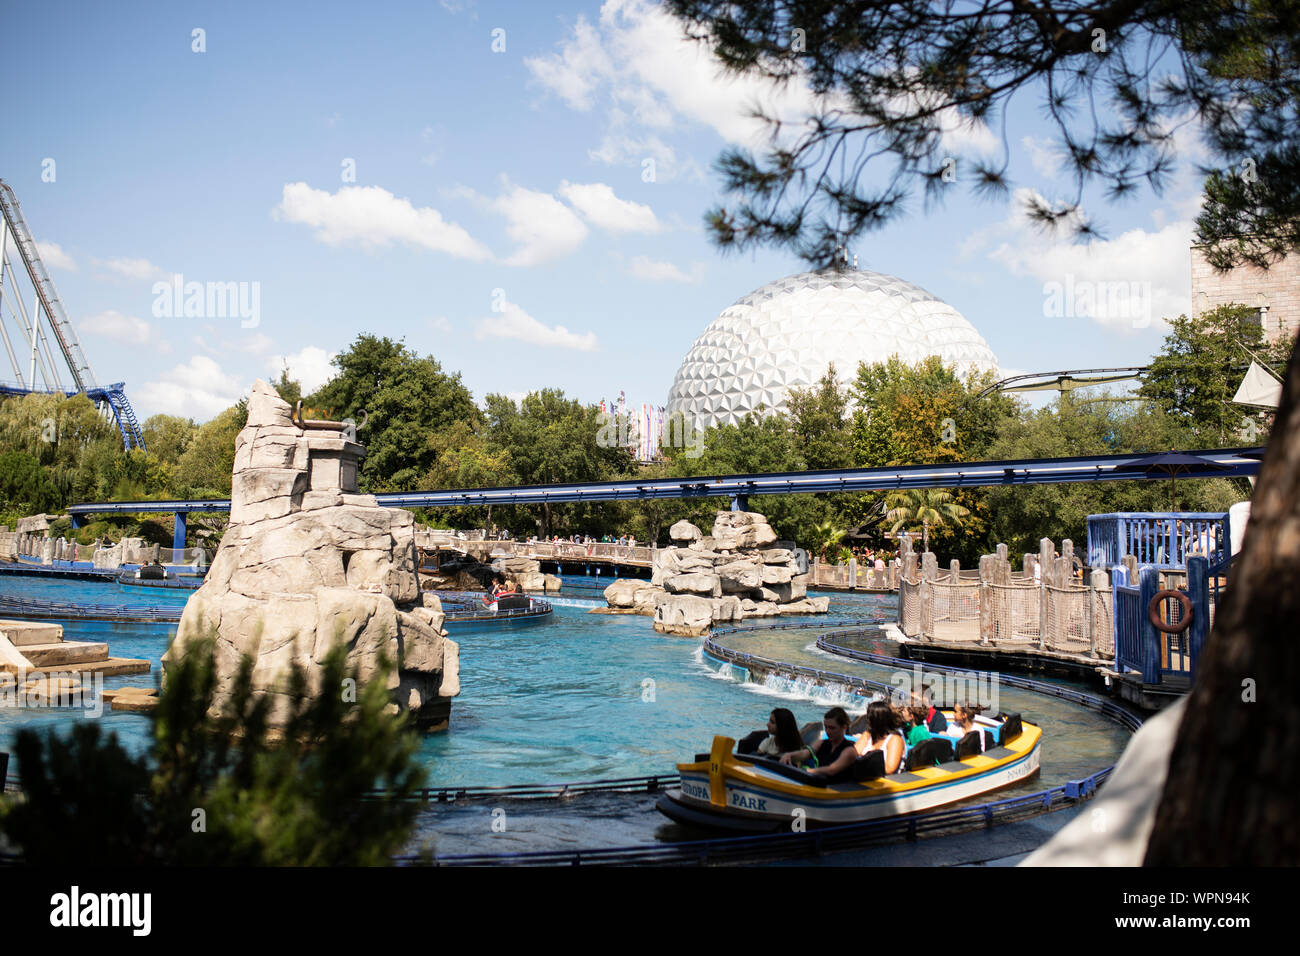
(786, 333)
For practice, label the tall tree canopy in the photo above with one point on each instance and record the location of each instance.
(1115, 77)
(1199, 368)
(548, 438)
(399, 399)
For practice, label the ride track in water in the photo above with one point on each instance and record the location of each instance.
(604, 818)
(947, 821)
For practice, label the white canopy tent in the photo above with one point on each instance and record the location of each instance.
(1259, 388)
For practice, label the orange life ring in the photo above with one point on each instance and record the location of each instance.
(1153, 612)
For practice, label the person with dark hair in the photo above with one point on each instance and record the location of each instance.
(935, 720)
(783, 734)
(831, 756)
(915, 727)
(883, 734)
(965, 715)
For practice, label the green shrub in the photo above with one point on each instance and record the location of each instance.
(224, 791)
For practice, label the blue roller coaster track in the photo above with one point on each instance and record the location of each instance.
(111, 399)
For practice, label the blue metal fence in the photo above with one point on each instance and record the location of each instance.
(1159, 539)
(1139, 645)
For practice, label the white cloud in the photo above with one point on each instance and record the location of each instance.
(374, 217)
(126, 268)
(440, 323)
(309, 366)
(1042, 157)
(641, 59)
(1130, 281)
(619, 148)
(513, 322)
(196, 389)
(643, 267)
(577, 70)
(122, 328)
(600, 207)
(542, 226)
(52, 255)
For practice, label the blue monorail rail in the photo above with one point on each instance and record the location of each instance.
(1236, 463)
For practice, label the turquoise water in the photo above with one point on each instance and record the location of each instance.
(583, 696)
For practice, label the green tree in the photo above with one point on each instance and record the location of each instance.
(205, 467)
(928, 507)
(892, 78)
(1074, 425)
(402, 399)
(288, 389)
(463, 459)
(1199, 368)
(819, 419)
(298, 798)
(759, 443)
(24, 485)
(549, 439)
(168, 436)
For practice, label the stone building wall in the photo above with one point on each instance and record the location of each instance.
(1280, 286)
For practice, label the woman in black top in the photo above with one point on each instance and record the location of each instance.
(833, 754)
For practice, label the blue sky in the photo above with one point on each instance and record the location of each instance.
(381, 168)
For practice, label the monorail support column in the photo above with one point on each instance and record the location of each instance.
(178, 536)
(77, 520)
(740, 502)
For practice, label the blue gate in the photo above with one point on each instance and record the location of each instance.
(1159, 654)
(1159, 539)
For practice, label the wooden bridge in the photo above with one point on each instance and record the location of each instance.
(846, 577)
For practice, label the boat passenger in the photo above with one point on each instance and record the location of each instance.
(935, 720)
(783, 734)
(965, 715)
(883, 734)
(916, 728)
(832, 755)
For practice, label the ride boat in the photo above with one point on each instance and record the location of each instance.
(505, 597)
(727, 790)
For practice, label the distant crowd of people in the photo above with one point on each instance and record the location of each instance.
(871, 558)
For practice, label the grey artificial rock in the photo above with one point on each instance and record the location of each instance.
(307, 565)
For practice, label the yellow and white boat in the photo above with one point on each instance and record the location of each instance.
(727, 790)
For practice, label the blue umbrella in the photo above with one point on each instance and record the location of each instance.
(1175, 463)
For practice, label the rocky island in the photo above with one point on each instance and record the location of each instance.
(308, 564)
(738, 571)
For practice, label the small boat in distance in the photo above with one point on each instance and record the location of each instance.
(749, 792)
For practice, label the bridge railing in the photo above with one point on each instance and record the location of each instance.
(64, 552)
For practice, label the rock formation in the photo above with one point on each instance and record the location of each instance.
(526, 574)
(734, 573)
(308, 564)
